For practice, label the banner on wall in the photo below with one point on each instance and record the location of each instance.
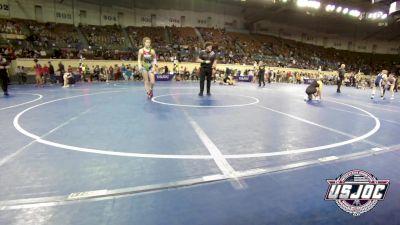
(337, 44)
(63, 13)
(245, 78)
(232, 24)
(174, 21)
(62, 16)
(109, 19)
(164, 77)
(362, 47)
(4, 8)
(145, 19)
(202, 21)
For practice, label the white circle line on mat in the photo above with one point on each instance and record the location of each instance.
(24, 103)
(154, 99)
(168, 156)
(317, 148)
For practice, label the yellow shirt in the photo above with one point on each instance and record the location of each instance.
(321, 85)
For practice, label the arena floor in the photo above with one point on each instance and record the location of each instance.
(104, 154)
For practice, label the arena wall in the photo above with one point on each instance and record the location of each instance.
(209, 14)
(326, 40)
(75, 12)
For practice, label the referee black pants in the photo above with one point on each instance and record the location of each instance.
(339, 83)
(261, 79)
(4, 82)
(205, 74)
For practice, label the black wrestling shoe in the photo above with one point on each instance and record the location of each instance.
(6, 94)
(200, 94)
(208, 94)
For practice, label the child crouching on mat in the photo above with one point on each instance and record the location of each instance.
(229, 80)
(314, 90)
(68, 80)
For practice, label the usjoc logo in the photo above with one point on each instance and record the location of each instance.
(356, 191)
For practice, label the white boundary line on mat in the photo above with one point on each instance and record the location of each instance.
(167, 156)
(312, 149)
(256, 100)
(14, 106)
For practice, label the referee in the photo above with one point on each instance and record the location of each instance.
(261, 74)
(340, 79)
(207, 63)
(3, 74)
